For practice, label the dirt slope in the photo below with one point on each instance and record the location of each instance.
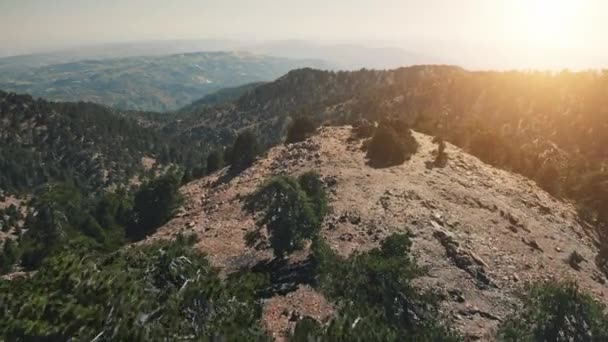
(483, 233)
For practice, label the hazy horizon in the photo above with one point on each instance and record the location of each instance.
(473, 33)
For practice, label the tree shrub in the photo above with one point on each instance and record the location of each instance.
(154, 204)
(9, 256)
(374, 295)
(61, 213)
(441, 158)
(244, 151)
(293, 211)
(300, 129)
(215, 161)
(155, 292)
(556, 312)
(391, 146)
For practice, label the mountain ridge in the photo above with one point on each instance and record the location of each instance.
(483, 233)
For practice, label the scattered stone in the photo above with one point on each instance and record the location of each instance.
(533, 244)
(346, 237)
(598, 277)
(354, 219)
(575, 260)
(350, 216)
(456, 295)
(463, 258)
(471, 311)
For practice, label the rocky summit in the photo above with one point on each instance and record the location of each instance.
(481, 233)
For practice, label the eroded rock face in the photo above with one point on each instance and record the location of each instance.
(482, 233)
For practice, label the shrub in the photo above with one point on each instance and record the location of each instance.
(556, 312)
(391, 146)
(154, 204)
(244, 151)
(313, 186)
(374, 295)
(441, 158)
(215, 161)
(293, 211)
(162, 291)
(9, 256)
(300, 129)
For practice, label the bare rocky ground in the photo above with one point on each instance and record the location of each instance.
(483, 233)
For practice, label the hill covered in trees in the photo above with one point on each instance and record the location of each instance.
(155, 83)
(400, 251)
(548, 126)
(86, 144)
(432, 242)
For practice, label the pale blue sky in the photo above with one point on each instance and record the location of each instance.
(563, 25)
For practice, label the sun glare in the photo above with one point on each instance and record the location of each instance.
(549, 22)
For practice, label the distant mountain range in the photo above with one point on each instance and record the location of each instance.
(339, 55)
(165, 76)
(155, 83)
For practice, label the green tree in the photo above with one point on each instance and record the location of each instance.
(244, 151)
(9, 256)
(375, 297)
(291, 215)
(161, 291)
(389, 148)
(215, 161)
(300, 129)
(556, 312)
(154, 204)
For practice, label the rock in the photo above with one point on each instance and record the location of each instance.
(350, 216)
(478, 259)
(532, 243)
(346, 237)
(598, 277)
(438, 217)
(456, 295)
(575, 259)
(462, 258)
(471, 311)
(354, 219)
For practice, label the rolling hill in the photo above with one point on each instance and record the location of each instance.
(155, 83)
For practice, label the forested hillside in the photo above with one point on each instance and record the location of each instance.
(551, 127)
(87, 144)
(359, 203)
